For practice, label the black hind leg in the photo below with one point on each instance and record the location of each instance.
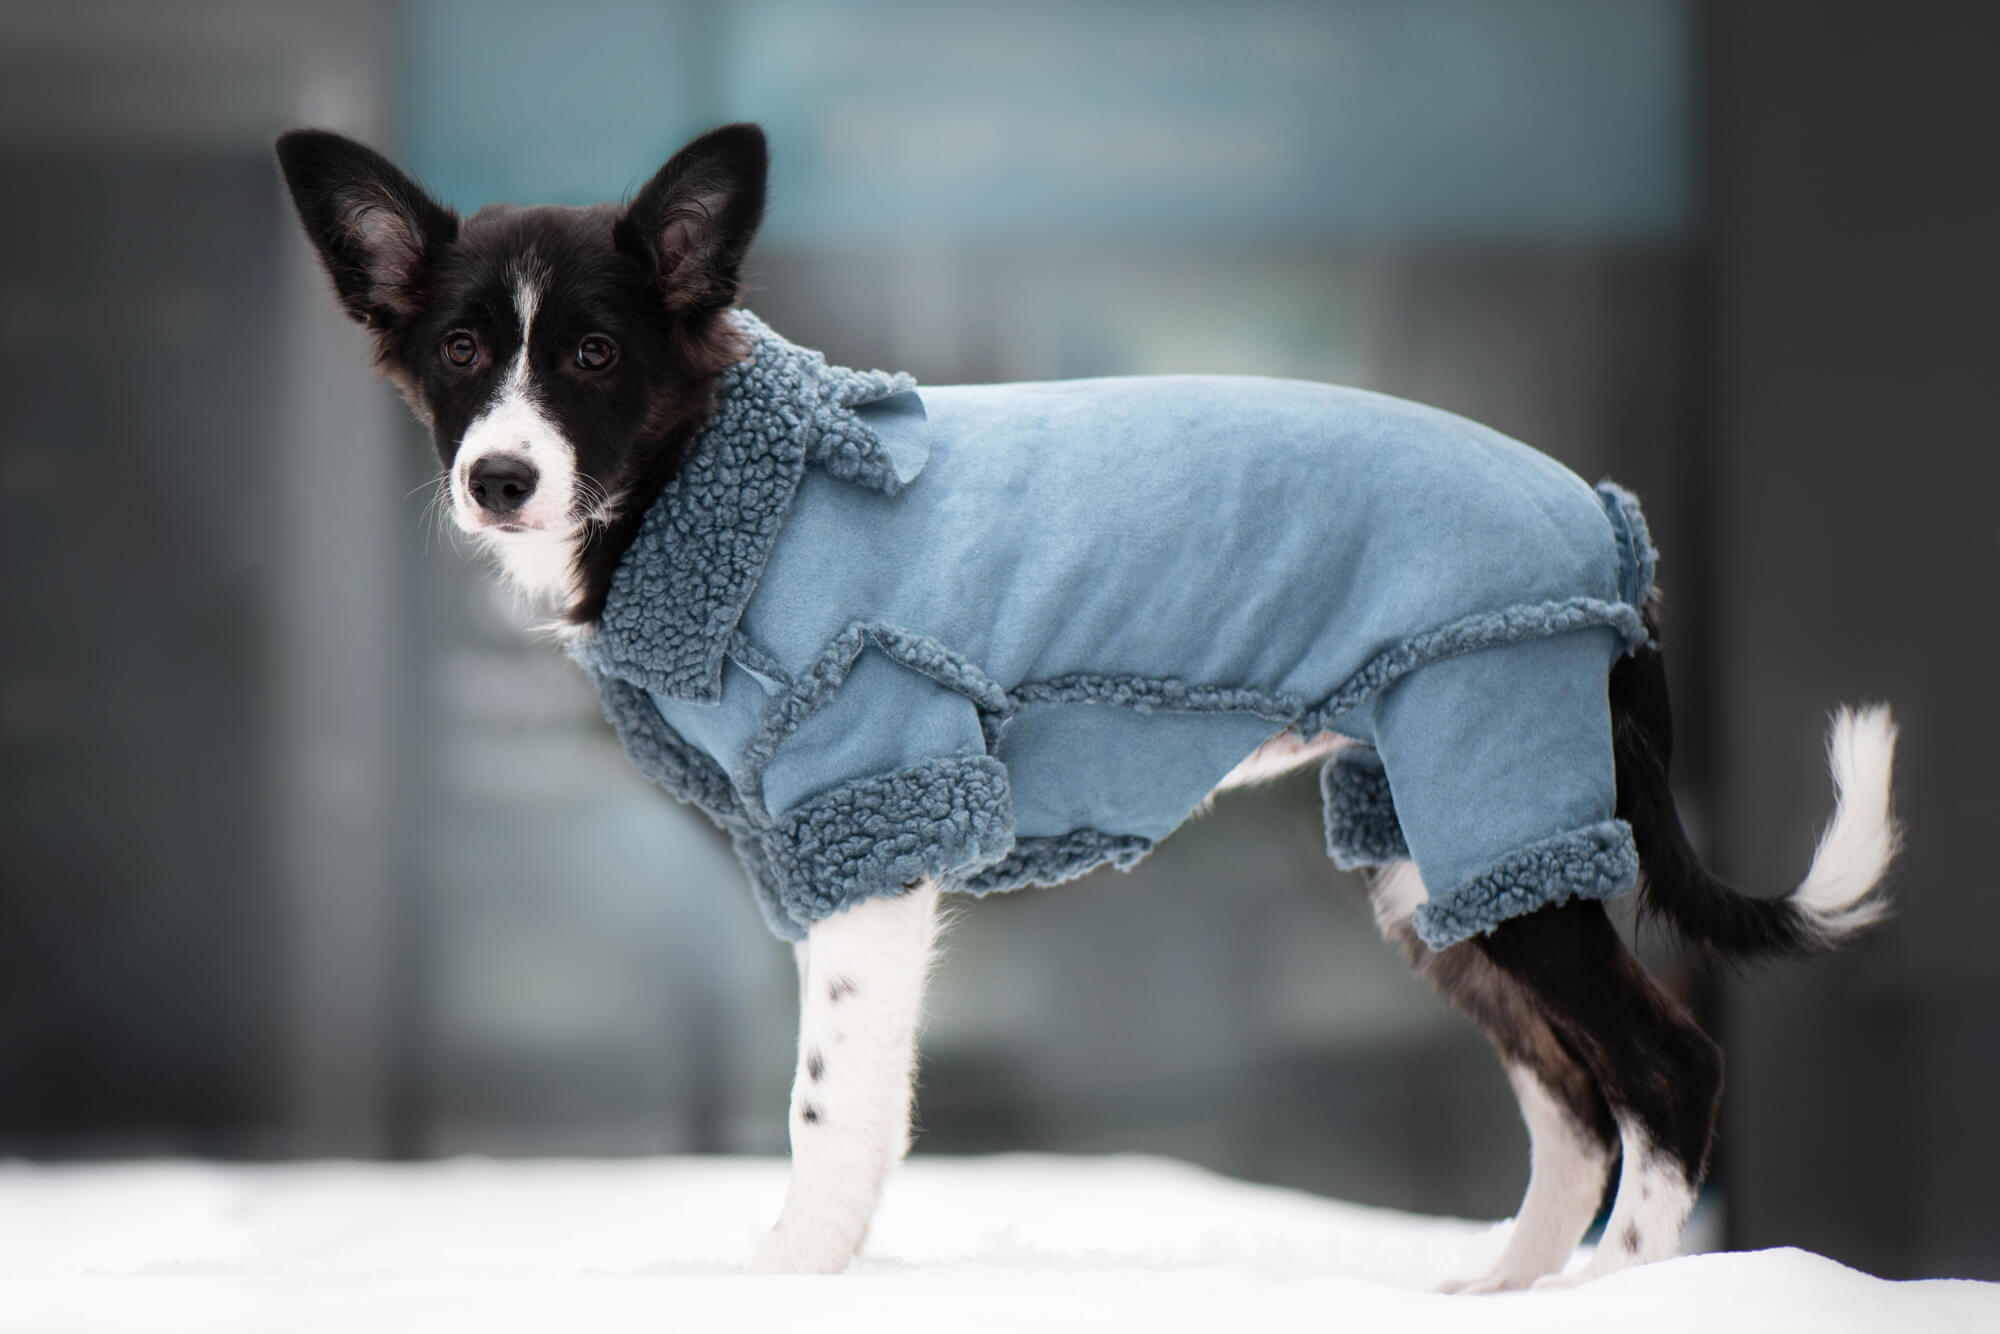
(1573, 1136)
(1659, 1072)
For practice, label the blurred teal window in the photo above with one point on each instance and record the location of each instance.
(1428, 118)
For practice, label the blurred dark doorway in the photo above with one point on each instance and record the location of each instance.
(138, 362)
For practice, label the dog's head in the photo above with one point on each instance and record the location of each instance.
(561, 357)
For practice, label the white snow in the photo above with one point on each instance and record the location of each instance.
(961, 1245)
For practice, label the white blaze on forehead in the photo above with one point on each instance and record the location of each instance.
(541, 556)
(528, 280)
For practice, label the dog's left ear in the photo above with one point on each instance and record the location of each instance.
(693, 222)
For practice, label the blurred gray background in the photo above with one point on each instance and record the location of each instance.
(275, 884)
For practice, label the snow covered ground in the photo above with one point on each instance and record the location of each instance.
(961, 1245)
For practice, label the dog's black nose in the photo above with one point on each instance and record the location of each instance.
(500, 483)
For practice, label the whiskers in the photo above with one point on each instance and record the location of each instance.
(438, 524)
(595, 505)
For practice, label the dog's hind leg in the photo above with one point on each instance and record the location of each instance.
(861, 985)
(1572, 1137)
(1659, 1072)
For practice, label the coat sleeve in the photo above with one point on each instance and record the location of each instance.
(887, 782)
(690, 773)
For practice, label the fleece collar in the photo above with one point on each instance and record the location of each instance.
(677, 595)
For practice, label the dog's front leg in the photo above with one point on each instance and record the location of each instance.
(861, 986)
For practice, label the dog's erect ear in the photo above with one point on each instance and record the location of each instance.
(694, 220)
(375, 229)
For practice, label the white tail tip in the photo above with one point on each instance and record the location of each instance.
(1837, 895)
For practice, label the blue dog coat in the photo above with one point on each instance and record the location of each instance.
(998, 635)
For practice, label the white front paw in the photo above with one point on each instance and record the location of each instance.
(797, 1248)
(1499, 1280)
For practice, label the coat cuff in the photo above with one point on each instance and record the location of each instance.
(1593, 863)
(944, 820)
(1361, 825)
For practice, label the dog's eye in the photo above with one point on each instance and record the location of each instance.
(460, 349)
(596, 352)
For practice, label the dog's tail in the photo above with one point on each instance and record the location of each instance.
(1836, 899)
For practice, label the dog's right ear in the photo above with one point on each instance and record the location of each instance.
(376, 231)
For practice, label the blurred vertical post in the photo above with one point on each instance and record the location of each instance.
(340, 664)
(1856, 208)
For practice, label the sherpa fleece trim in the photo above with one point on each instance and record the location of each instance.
(1058, 858)
(1638, 557)
(1142, 694)
(1487, 630)
(1596, 862)
(882, 835)
(808, 694)
(1361, 825)
(659, 753)
(676, 597)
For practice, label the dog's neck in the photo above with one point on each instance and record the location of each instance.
(603, 542)
(675, 572)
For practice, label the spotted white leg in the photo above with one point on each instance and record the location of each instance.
(1654, 1200)
(861, 984)
(1567, 1169)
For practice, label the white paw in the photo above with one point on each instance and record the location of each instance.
(793, 1248)
(1498, 1281)
(1557, 1282)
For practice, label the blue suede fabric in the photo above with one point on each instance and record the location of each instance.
(1000, 635)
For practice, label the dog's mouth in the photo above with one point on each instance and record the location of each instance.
(498, 527)
(502, 525)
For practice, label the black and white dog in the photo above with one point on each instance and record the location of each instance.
(565, 358)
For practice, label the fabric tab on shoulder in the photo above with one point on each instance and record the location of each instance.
(890, 449)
